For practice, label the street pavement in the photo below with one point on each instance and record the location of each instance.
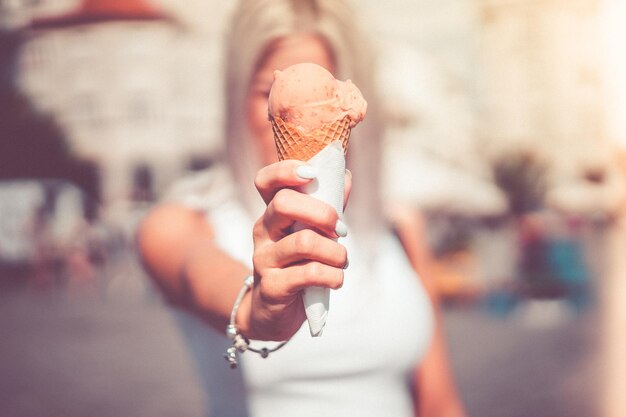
(114, 350)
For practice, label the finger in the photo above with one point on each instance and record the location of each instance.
(282, 284)
(289, 206)
(347, 188)
(289, 173)
(299, 247)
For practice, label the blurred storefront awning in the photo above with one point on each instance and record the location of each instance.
(95, 11)
(420, 180)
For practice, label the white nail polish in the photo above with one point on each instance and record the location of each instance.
(341, 229)
(306, 172)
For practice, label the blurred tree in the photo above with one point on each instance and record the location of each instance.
(9, 45)
(31, 144)
(521, 175)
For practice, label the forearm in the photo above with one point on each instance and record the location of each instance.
(436, 391)
(177, 248)
(435, 388)
(210, 281)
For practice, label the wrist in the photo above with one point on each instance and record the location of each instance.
(242, 318)
(240, 343)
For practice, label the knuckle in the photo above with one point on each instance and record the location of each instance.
(304, 242)
(329, 216)
(280, 202)
(343, 254)
(312, 271)
(259, 180)
(267, 288)
(258, 260)
(258, 229)
(337, 280)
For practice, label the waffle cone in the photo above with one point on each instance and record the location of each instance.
(294, 144)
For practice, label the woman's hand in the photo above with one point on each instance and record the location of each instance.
(286, 262)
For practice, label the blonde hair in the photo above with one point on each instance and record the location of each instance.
(255, 25)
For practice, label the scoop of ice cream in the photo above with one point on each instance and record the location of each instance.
(308, 96)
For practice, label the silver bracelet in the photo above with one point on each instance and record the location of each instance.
(239, 342)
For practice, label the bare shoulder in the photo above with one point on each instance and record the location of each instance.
(171, 226)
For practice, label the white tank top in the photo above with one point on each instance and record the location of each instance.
(379, 327)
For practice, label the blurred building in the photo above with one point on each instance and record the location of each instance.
(128, 81)
(541, 78)
(135, 84)
(541, 87)
(427, 63)
(532, 78)
(432, 159)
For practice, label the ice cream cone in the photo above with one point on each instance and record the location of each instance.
(312, 114)
(321, 148)
(292, 143)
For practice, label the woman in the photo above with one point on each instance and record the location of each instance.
(381, 353)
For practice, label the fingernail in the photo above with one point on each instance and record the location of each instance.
(341, 229)
(349, 173)
(347, 264)
(306, 172)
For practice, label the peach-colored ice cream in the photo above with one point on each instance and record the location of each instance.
(308, 96)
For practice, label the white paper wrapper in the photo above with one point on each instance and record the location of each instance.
(330, 163)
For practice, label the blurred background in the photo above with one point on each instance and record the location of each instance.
(507, 123)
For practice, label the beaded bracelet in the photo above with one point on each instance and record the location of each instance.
(239, 342)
